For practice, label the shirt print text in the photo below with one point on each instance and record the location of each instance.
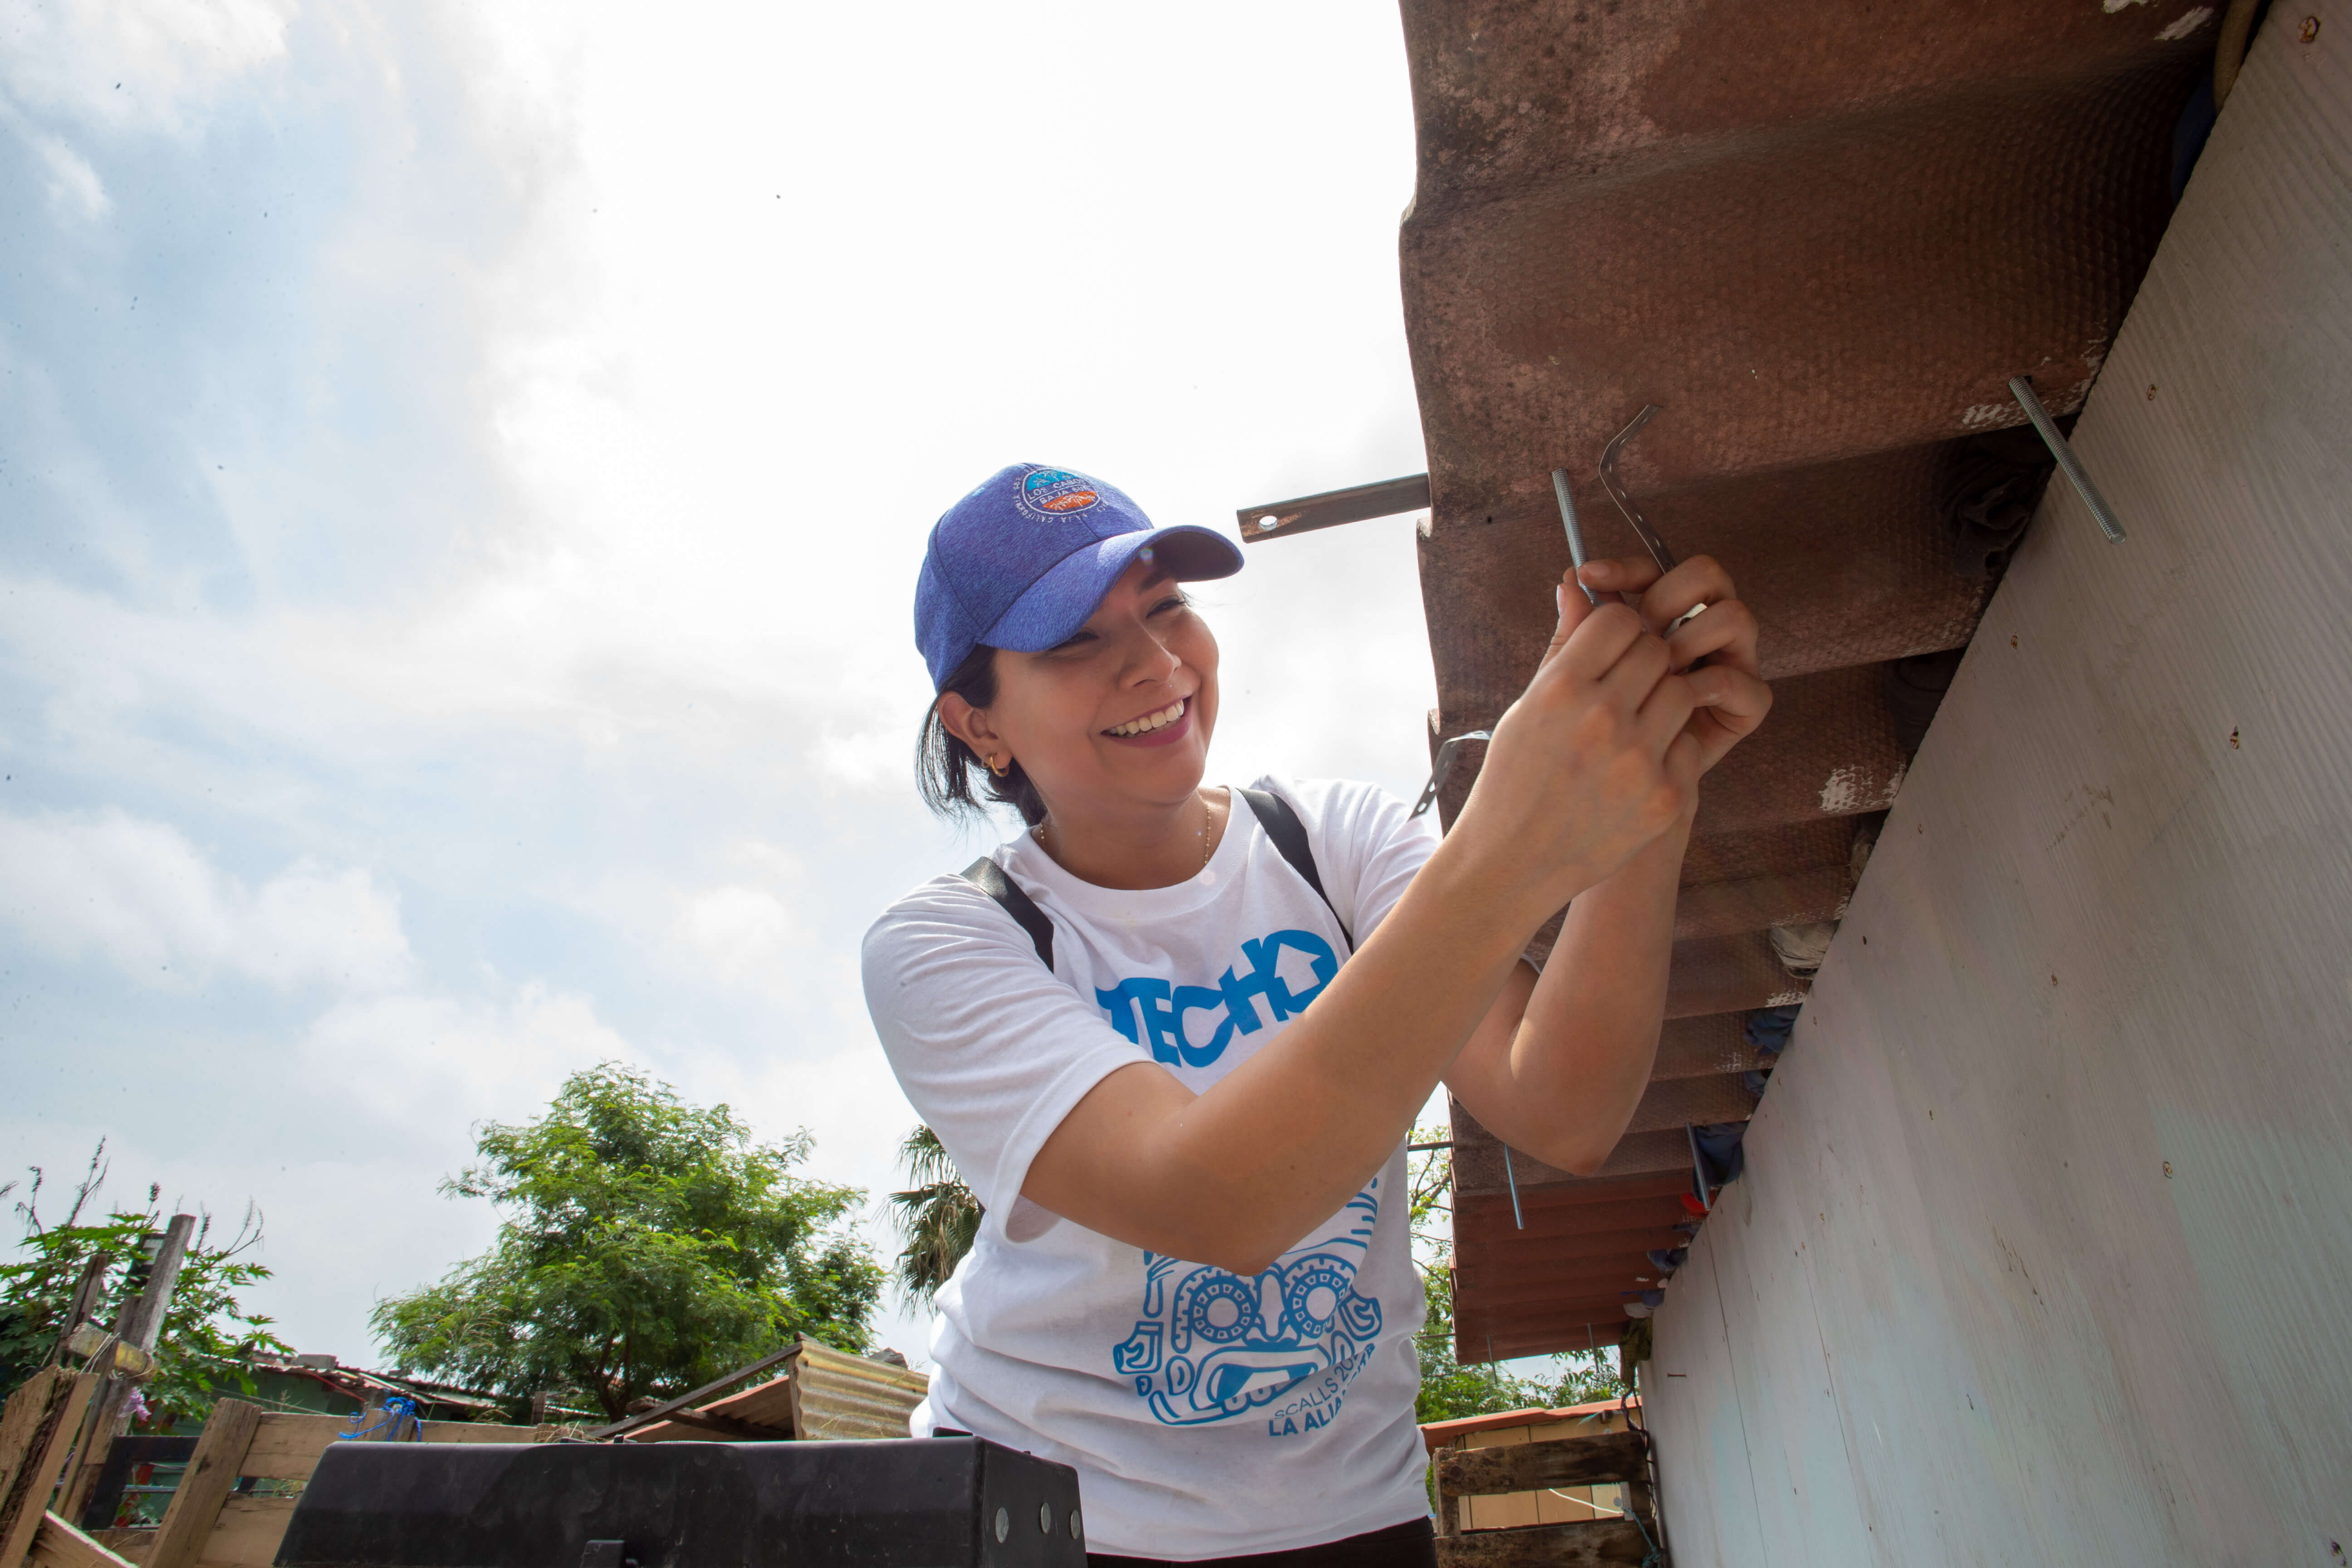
(1166, 1015)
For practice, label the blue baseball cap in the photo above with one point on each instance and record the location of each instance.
(1023, 561)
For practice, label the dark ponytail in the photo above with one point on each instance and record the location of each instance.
(945, 767)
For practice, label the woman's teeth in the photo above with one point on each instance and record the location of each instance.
(1150, 721)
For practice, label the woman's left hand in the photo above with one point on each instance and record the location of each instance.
(1731, 691)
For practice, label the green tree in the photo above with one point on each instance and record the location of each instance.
(208, 1339)
(1450, 1388)
(644, 1245)
(939, 1216)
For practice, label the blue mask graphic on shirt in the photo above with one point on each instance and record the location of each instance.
(1212, 1346)
(1190, 1026)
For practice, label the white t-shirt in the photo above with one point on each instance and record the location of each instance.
(1208, 1414)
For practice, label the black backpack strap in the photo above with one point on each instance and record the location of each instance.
(1290, 835)
(989, 878)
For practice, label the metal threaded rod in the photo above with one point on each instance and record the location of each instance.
(1575, 534)
(2070, 465)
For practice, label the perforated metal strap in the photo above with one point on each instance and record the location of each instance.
(989, 878)
(1290, 835)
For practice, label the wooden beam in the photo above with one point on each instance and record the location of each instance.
(1487, 1253)
(1332, 508)
(1475, 1219)
(1449, 1508)
(1531, 1467)
(38, 1438)
(206, 1485)
(1591, 1544)
(140, 1326)
(1593, 1278)
(57, 1544)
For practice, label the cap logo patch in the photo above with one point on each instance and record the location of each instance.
(1053, 491)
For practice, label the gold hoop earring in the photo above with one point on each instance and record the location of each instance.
(990, 761)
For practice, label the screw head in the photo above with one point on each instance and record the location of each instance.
(1045, 1519)
(1003, 1526)
(1075, 1533)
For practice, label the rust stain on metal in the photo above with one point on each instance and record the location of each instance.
(1825, 244)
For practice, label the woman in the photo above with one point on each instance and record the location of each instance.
(1174, 1036)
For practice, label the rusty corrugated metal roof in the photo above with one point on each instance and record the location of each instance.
(836, 1395)
(1822, 236)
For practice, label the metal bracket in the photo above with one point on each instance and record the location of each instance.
(1442, 769)
(1617, 492)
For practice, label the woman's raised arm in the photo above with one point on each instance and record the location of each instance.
(1594, 762)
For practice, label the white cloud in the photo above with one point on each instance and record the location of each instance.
(742, 931)
(147, 65)
(397, 1058)
(572, 430)
(139, 895)
(75, 194)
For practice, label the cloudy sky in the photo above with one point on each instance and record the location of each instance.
(462, 473)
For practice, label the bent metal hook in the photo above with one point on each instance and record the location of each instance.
(1616, 488)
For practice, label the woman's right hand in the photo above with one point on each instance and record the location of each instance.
(1591, 764)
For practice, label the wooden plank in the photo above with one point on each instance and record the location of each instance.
(286, 1448)
(1481, 1258)
(1496, 1291)
(247, 1533)
(2040, 1254)
(1528, 1467)
(58, 1544)
(1599, 1544)
(481, 1432)
(130, 1542)
(27, 1414)
(59, 1405)
(1449, 1510)
(206, 1485)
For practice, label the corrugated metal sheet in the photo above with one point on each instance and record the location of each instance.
(1821, 236)
(836, 1395)
(2041, 1257)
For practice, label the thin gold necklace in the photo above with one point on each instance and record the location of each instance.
(1208, 825)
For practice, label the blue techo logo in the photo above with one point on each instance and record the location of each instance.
(1176, 1020)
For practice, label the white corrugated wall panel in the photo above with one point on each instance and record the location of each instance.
(1957, 1311)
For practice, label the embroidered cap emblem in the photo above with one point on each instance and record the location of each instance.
(1055, 491)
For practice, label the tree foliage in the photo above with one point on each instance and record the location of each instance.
(1450, 1388)
(645, 1246)
(939, 1216)
(208, 1339)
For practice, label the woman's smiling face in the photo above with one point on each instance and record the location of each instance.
(1121, 714)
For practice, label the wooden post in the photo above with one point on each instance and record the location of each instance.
(85, 1299)
(37, 1433)
(206, 1485)
(1449, 1506)
(141, 1324)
